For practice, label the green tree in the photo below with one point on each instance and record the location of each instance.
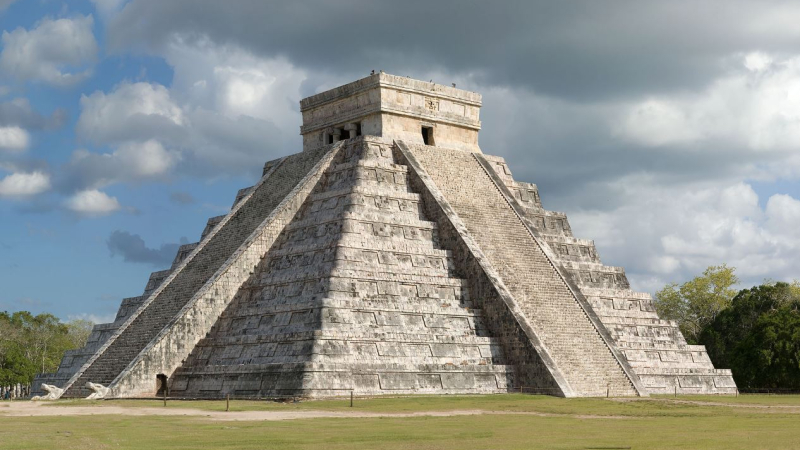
(34, 344)
(758, 337)
(78, 331)
(697, 302)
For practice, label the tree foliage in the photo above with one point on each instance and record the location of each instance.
(758, 337)
(33, 344)
(697, 302)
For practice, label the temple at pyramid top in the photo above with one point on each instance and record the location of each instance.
(390, 256)
(393, 107)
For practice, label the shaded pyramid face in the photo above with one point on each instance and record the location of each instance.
(356, 293)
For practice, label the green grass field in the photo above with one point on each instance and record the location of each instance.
(511, 421)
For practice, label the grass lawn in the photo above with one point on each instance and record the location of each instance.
(645, 424)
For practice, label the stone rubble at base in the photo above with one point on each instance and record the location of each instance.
(390, 256)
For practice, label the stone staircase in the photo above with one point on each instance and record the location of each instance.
(655, 349)
(169, 291)
(356, 294)
(570, 337)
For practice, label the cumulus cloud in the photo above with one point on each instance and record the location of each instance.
(132, 248)
(131, 111)
(663, 235)
(14, 139)
(130, 162)
(20, 185)
(757, 105)
(226, 112)
(55, 51)
(92, 203)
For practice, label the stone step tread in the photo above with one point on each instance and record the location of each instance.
(403, 305)
(360, 214)
(363, 191)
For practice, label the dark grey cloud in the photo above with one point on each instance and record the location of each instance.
(132, 248)
(181, 198)
(579, 49)
(20, 113)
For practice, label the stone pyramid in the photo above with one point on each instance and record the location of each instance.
(390, 256)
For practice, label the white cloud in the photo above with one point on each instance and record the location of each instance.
(19, 185)
(92, 203)
(783, 215)
(145, 159)
(757, 61)
(664, 234)
(130, 162)
(234, 82)
(756, 105)
(226, 112)
(657, 122)
(55, 51)
(130, 112)
(14, 139)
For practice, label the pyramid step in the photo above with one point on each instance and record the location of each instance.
(366, 367)
(397, 304)
(361, 192)
(346, 244)
(366, 334)
(358, 213)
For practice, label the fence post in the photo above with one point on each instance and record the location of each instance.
(227, 402)
(351, 398)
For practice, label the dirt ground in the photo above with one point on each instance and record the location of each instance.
(40, 409)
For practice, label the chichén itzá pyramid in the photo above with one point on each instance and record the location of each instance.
(390, 256)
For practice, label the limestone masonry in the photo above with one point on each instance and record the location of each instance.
(390, 256)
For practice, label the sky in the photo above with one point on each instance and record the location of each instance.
(668, 131)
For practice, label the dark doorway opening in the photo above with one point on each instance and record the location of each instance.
(427, 135)
(161, 385)
(358, 129)
(330, 139)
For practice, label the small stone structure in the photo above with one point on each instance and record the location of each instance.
(390, 256)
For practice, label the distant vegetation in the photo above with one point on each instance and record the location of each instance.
(755, 332)
(34, 344)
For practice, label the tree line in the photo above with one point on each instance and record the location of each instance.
(755, 332)
(35, 344)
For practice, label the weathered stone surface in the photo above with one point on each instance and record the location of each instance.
(53, 393)
(356, 294)
(181, 285)
(99, 391)
(390, 256)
